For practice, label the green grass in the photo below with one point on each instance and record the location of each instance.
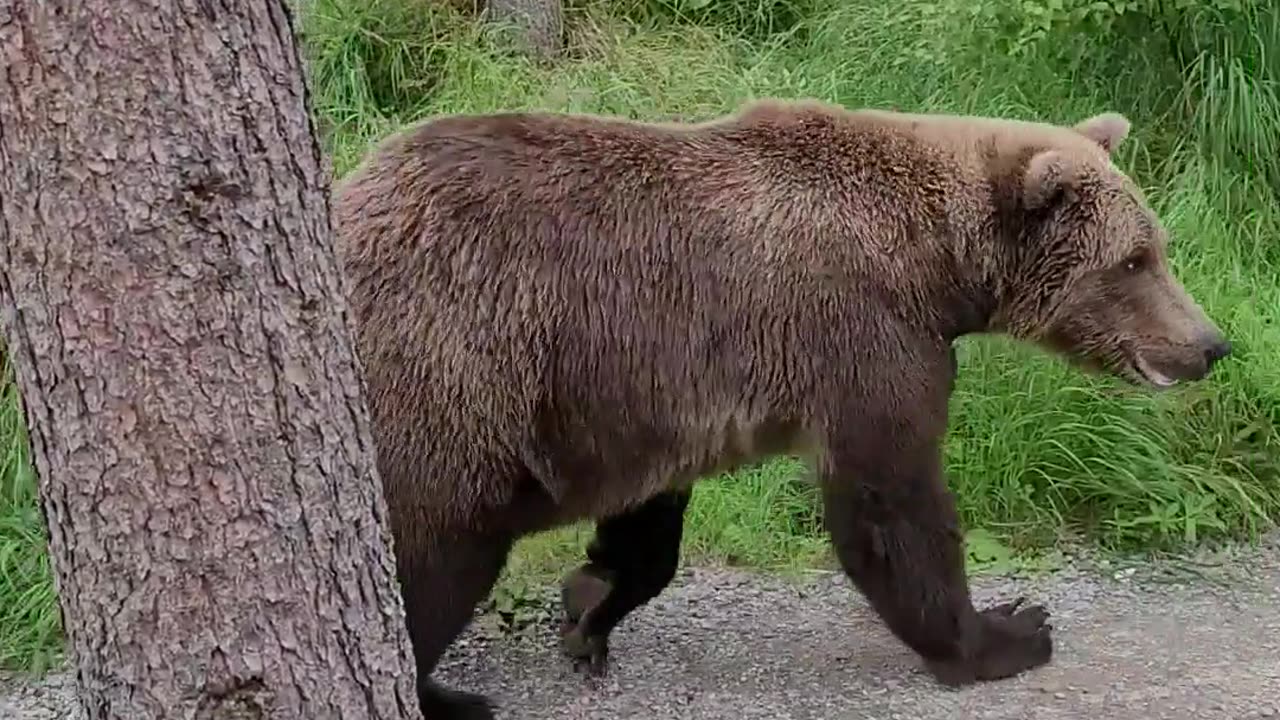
(1037, 450)
(30, 626)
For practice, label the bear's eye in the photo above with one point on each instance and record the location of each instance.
(1136, 262)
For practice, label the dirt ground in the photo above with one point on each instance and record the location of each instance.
(1165, 640)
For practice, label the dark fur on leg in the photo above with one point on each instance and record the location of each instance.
(632, 559)
(441, 590)
(439, 703)
(896, 533)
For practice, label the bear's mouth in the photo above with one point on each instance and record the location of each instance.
(1150, 375)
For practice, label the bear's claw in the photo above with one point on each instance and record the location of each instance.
(590, 653)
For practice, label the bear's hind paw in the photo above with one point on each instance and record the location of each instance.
(590, 653)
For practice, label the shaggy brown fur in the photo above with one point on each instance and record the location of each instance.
(567, 317)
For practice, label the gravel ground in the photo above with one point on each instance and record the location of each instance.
(1167, 640)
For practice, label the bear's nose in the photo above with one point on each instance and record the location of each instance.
(1218, 347)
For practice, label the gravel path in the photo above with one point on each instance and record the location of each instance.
(1159, 641)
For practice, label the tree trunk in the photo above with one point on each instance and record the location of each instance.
(540, 23)
(178, 323)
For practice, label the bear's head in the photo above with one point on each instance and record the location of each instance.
(1088, 275)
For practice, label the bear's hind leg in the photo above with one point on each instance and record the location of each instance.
(631, 560)
(441, 589)
(897, 535)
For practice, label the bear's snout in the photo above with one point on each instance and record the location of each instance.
(1165, 367)
(1216, 347)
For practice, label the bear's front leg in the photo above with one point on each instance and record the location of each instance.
(897, 535)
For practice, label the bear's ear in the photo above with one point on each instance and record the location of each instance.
(1048, 174)
(1108, 130)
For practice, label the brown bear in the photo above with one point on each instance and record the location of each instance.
(567, 317)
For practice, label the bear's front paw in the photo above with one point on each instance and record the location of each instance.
(1015, 639)
(590, 653)
(1012, 640)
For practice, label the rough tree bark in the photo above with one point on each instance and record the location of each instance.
(174, 308)
(540, 22)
